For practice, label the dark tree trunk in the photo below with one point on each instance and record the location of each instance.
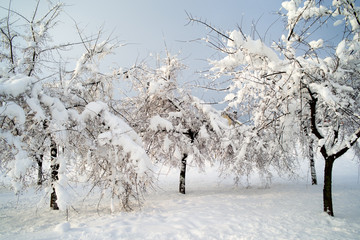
(39, 160)
(327, 195)
(182, 174)
(329, 159)
(54, 175)
(191, 134)
(312, 163)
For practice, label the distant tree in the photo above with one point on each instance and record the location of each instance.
(177, 128)
(300, 85)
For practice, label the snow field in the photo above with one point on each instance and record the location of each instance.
(212, 208)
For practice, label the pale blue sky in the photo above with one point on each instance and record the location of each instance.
(146, 25)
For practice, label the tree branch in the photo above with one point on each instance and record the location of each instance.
(348, 144)
(191, 19)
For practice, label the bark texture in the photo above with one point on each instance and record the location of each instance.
(327, 192)
(312, 163)
(39, 160)
(182, 174)
(54, 175)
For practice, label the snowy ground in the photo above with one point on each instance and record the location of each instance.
(211, 209)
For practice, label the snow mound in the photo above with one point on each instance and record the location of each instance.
(62, 227)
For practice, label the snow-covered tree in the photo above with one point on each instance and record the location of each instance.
(31, 118)
(109, 153)
(33, 124)
(300, 89)
(176, 127)
(330, 80)
(63, 119)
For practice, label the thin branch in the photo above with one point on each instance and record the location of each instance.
(35, 11)
(12, 11)
(347, 145)
(297, 20)
(191, 19)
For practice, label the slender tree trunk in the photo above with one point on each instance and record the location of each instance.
(329, 160)
(182, 174)
(312, 163)
(54, 175)
(327, 194)
(39, 160)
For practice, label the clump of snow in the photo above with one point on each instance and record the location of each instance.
(16, 85)
(167, 143)
(119, 127)
(99, 51)
(159, 123)
(19, 167)
(291, 7)
(244, 50)
(203, 133)
(63, 196)
(308, 10)
(22, 163)
(13, 111)
(257, 47)
(316, 44)
(93, 109)
(118, 135)
(157, 86)
(34, 104)
(325, 93)
(138, 155)
(229, 97)
(237, 38)
(341, 48)
(58, 112)
(337, 23)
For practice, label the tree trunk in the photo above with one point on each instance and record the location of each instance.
(312, 163)
(39, 160)
(182, 174)
(54, 175)
(327, 195)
